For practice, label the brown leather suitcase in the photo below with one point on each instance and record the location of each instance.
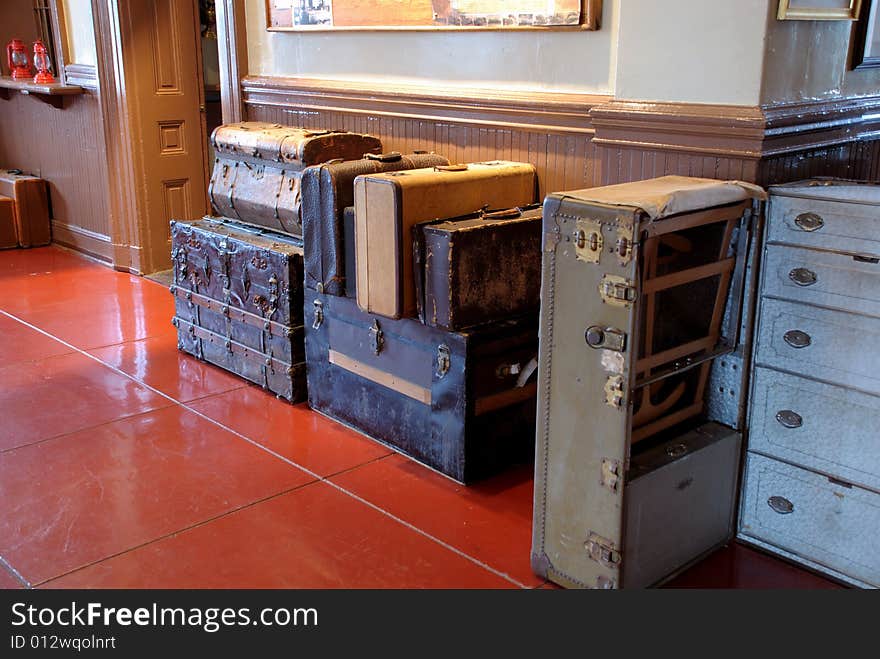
(8, 234)
(327, 189)
(387, 206)
(258, 168)
(31, 198)
(479, 268)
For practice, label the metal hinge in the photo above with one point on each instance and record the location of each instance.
(602, 550)
(377, 338)
(617, 291)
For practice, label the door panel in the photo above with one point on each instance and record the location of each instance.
(168, 80)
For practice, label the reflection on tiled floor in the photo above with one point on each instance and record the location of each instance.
(124, 463)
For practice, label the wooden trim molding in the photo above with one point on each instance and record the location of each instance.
(546, 111)
(84, 75)
(94, 244)
(232, 51)
(582, 140)
(751, 133)
(125, 192)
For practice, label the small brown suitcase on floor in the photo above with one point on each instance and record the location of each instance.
(31, 206)
(479, 268)
(258, 169)
(8, 235)
(388, 205)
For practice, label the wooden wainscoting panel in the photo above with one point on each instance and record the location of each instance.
(551, 131)
(63, 146)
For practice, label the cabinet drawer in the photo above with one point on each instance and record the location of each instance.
(808, 515)
(828, 279)
(817, 426)
(838, 347)
(842, 226)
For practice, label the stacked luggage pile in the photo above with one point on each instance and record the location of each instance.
(406, 288)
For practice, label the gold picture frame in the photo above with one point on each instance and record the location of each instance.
(590, 19)
(816, 10)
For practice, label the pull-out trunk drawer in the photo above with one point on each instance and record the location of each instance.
(830, 524)
(829, 345)
(818, 426)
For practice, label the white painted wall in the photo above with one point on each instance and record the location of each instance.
(692, 51)
(579, 61)
(80, 32)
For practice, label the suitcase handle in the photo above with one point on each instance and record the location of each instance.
(450, 168)
(393, 156)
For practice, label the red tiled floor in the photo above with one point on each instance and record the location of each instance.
(21, 343)
(58, 395)
(738, 566)
(134, 490)
(158, 363)
(315, 537)
(131, 313)
(491, 520)
(83, 497)
(7, 581)
(294, 431)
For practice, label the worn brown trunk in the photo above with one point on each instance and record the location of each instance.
(31, 198)
(477, 269)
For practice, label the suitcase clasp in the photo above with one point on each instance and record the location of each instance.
(377, 338)
(319, 314)
(602, 551)
(443, 360)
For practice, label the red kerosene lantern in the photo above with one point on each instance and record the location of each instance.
(17, 59)
(43, 63)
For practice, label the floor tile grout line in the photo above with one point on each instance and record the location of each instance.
(4, 564)
(315, 475)
(127, 417)
(171, 534)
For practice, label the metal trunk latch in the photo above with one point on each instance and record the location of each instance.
(611, 474)
(588, 240)
(377, 338)
(602, 551)
(781, 505)
(443, 360)
(614, 391)
(617, 291)
(605, 337)
(319, 314)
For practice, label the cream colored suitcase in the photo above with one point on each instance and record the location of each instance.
(388, 205)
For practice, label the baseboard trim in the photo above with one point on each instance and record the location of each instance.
(83, 240)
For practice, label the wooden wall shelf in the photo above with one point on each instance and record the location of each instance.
(53, 94)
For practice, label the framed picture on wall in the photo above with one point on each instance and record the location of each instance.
(866, 37)
(311, 15)
(818, 10)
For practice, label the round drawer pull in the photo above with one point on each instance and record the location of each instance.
(789, 419)
(803, 277)
(809, 222)
(797, 339)
(781, 505)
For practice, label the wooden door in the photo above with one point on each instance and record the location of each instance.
(165, 41)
